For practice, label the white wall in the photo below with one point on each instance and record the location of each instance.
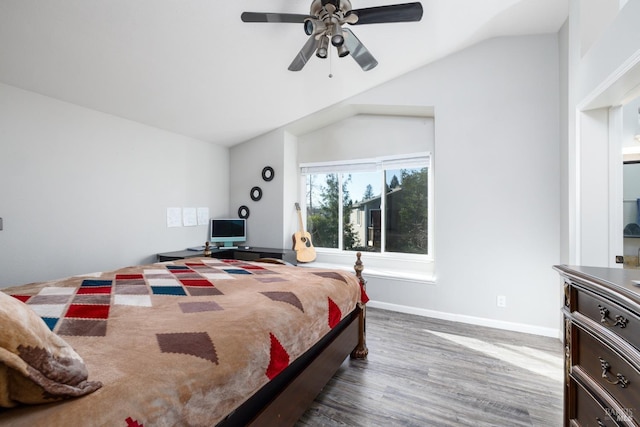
(291, 174)
(566, 164)
(595, 16)
(594, 189)
(266, 225)
(497, 175)
(84, 191)
(606, 76)
(608, 54)
(367, 136)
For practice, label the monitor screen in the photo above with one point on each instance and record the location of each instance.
(228, 231)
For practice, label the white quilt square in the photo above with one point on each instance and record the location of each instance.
(56, 290)
(163, 282)
(155, 271)
(48, 310)
(135, 300)
(218, 276)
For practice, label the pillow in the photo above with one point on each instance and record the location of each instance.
(36, 365)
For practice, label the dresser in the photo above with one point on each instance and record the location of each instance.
(602, 346)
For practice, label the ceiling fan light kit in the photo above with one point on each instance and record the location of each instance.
(325, 23)
(322, 51)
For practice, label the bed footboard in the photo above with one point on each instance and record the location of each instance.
(283, 401)
(361, 350)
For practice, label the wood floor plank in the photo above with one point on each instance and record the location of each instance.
(430, 372)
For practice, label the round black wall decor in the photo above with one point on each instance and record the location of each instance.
(256, 194)
(267, 173)
(243, 212)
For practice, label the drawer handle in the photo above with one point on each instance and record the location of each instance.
(621, 380)
(604, 315)
(600, 423)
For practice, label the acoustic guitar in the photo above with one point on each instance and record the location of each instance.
(305, 252)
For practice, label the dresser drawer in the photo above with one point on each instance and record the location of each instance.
(602, 346)
(589, 412)
(609, 314)
(610, 371)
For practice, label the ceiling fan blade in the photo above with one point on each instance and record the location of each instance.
(305, 53)
(357, 50)
(289, 18)
(407, 12)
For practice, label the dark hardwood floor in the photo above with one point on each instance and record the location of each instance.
(429, 372)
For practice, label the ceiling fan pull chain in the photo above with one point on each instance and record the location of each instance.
(330, 65)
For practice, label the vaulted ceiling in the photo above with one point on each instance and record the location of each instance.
(194, 68)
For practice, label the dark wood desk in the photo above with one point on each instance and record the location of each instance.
(239, 253)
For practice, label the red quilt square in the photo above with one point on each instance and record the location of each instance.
(88, 311)
(94, 290)
(186, 271)
(196, 282)
(129, 276)
(23, 298)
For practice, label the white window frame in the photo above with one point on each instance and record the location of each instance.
(413, 160)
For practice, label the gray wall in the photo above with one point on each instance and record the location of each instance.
(497, 192)
(84, 191)
(606, 75)
(266, 224)
(497, 175)
(88, 191)
(367, 136)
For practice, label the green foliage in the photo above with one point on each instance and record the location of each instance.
(408, 233)
(368, 193)
(323, 222)
(395, 182)
(406, 213)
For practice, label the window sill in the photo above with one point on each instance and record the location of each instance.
(409, 270)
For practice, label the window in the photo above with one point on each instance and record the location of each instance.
(374, 205)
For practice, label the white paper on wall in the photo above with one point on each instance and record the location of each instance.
(203, 216)
(189, 217)
(174, 217)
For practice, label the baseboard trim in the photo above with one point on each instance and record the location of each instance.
(480, 321)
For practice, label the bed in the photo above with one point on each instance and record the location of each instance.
(197, 342)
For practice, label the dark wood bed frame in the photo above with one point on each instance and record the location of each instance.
(282, 401)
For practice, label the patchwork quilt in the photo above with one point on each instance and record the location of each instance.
(181, 343)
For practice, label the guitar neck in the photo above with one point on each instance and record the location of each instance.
(300, 225)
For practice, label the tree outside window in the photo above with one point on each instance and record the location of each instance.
(406, 208)
(349, 211)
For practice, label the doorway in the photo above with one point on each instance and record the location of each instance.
(631, 213)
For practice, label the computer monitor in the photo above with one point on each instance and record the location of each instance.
(227, 232)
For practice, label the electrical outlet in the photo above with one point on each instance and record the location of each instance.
(501, 301)
(0, 224)
(619, 258)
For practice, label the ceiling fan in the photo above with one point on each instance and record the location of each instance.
(324, 25)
